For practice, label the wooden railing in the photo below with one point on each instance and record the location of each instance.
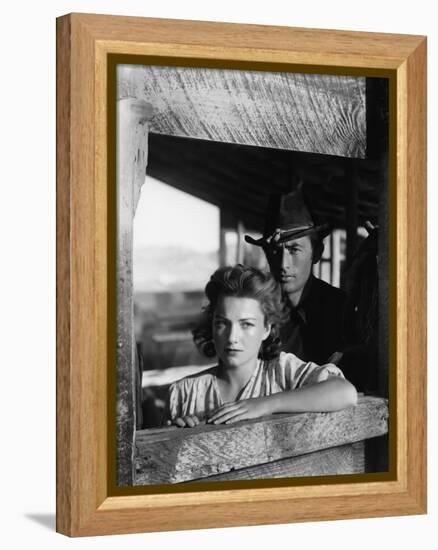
(281, 445)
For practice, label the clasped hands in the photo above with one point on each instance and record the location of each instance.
(227, 413)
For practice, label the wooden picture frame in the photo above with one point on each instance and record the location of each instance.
(86, 504)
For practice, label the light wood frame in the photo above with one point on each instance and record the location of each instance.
(84, 506)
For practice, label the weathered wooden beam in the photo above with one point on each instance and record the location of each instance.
(132, 148)
(342, 460)
(172, 455)
(300, 112)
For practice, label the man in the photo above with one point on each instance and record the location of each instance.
(292, 243)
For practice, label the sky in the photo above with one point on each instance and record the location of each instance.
(166, 216)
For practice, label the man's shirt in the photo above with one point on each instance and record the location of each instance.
(315, 329)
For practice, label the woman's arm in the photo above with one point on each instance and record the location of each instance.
(332, 394)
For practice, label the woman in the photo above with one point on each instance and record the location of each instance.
(253, 378)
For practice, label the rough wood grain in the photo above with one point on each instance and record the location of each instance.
(417, 280)
(132, 151)
(172, 455)
(83, 509)
(76, 405)
(301, 112)
(343, 460)
(255, 43)
(64, 464)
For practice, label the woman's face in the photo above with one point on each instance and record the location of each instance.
(238, 331)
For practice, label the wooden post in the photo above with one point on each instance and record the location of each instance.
(132, 149)
(228, 222)
(351, 212)
(240, 241)
(377, 96)
(383, 274)
(336, 258)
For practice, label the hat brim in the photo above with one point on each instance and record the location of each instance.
(321, 230)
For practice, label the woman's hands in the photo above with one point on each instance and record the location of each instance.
(228, 413)
(189, 421)
(240, 410)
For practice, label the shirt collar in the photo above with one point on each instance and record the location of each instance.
(300, 308)
(306, 290)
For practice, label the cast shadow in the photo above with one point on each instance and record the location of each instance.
(46, 520)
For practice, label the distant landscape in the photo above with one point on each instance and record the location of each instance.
(172, 268)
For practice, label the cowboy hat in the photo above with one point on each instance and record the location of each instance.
(288, 217)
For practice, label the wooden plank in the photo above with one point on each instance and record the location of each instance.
(301, 112)
(342, 460)
(172, 455)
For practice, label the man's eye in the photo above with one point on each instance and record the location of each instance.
(246, 324)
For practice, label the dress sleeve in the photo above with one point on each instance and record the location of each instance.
(173, 402)
(298, 373)
(319, 373)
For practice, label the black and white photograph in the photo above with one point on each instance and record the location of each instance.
(218, 306)
(253, 296)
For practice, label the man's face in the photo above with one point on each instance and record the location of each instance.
(291, 263)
